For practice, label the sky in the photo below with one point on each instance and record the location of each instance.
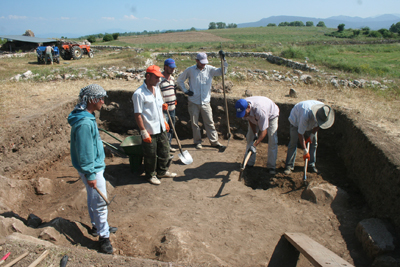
(75, 18)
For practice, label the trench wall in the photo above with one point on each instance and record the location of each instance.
(372, 161)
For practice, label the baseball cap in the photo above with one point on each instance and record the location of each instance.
(240, 107)
(170, 63)
(155, 70)
(324, 115)
(202, 57)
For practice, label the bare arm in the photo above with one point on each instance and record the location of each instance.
(139, 121)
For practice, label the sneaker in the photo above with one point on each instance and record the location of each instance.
(199, 146)
(217, 145)
(288, 170)
(167, 175)
(272, 171)
(172, 149)
(105, 245)
(312, 169)
(94, 233)
(154, 180)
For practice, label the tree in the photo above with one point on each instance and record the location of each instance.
(341, 27)
(115, 35)
(193, 29)
(91, 38)
(309, 23)
(356, 32)
(321, 24)
(212, 26)
(386, 33)
(271, 25)
(395, 27)
(284, 24)
(365, 30)
(107, 37)
(221, 25)
(232, 25)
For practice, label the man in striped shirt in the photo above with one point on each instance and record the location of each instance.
(168, 89)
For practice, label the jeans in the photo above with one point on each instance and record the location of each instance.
(272, 133)
(96, 205)
(156, 155)
(170, 134)
(206, 113)
(292, 147)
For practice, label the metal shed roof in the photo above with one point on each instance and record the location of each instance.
(28, 39)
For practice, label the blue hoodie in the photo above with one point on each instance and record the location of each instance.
(87, 152)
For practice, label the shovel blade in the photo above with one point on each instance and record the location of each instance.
(185, 157)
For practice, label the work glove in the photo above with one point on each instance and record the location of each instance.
(253, 149)
(145, 136)
(255, 137)
(306, 155)
(166, 126)
(311, 137)
(222, 54)
(189, 93)
(165, 106)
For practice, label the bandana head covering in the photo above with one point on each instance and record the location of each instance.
(92, 93)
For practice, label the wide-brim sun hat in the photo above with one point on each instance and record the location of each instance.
(324, 115)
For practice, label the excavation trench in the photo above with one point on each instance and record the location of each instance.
(204, 216)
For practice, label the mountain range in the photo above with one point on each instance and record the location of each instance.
(374, 23)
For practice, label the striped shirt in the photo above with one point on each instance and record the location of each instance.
(168, 88)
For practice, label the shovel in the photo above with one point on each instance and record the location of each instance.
(305, 166)
(226, 102)
(245, 160)
(184, 156)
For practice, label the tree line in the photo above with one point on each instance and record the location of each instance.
(221, 25)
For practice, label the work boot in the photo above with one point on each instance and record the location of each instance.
(94, 233)
(288, 170)
(105, 245)
(199, 146)
(167, 175)
(217, 145)
(312, 169)
(154, 180)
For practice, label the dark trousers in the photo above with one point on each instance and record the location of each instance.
(156, 155)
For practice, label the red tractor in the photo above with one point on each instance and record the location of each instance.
(75, 51)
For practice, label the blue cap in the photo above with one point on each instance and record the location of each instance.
(170, 63)
(240, 107)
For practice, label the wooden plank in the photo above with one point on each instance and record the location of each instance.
(317, 254)
(285, 254)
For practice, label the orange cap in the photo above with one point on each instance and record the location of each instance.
(155, 70)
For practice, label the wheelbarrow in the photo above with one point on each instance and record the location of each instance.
(131, 147)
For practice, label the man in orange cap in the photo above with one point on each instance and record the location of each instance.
(148, 107)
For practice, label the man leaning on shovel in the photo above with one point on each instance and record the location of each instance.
(148, 106)
(306, 118)
(262, 114)
(87, 155)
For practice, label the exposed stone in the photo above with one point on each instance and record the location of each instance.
(374, 237)
(325, 194)
(248, 93)
(173, 245)
(292, 93)
(49, 234)
(239, 136)
(43, 186)
(307, 79)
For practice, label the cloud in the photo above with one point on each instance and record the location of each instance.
(17, 17)
(108, 18)
(65, 18)
(130, 17)
(2, 17)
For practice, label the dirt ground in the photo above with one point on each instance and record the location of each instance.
(204, 216)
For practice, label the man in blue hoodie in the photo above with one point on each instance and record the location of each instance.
(87, 155)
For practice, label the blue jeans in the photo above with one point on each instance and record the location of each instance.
(292, 147)
(96, 205)
(170, 134)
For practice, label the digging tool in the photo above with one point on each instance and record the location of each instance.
(184, 156)
(64, 261)
(226, 102)
(305, 165)
(104, 197)
(38, 260)
(4, 258)
(245, 160)
(20, 257)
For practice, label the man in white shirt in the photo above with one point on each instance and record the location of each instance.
(307, 117)
(148, 106)
(199, 95)
(262, 114)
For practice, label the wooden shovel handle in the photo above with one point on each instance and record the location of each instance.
(20, 257)
(102, 195)
(38, 260)
(176, 136)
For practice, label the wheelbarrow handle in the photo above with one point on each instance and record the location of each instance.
(110, 134)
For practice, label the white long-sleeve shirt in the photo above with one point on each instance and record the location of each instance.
(200, 82)
(302, 117)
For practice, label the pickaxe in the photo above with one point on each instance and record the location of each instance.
(104, 197)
